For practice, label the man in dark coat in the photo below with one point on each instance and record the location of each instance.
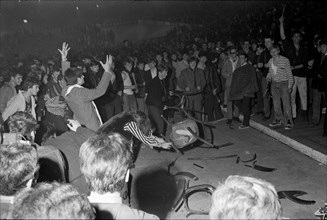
(243, 88)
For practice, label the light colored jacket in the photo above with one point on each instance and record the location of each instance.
(227, 71)
(18, 103)
(7, 91)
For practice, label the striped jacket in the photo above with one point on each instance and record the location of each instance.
(283, 73)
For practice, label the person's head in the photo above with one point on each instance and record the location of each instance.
(140, 65)
(18, 166)
(232, 52)
(192, 62)
(105, 160)
(203, 57)
(323, 46)
(174, 56)
(246, 45)
(74, 75)
(16, 78)
(185, 56)
(162, 71)
(296, 37)
(242, 197)
(152, 62)
(274, 50)
(268, 42)
(22, 123)
(94, 67)
(159, 58)
(128, 63)
(31, 85)
(243, 57)
(56, 73)
(51, 201)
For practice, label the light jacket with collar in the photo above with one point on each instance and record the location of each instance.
(18, 103)
(80, 100)
(227, 70)
(7, 91)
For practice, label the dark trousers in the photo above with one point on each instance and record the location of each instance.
(112, 108)
(325, 122)
(212, 107)
(155, 117)
(244, 105)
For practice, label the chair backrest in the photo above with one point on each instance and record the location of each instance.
(52, 164)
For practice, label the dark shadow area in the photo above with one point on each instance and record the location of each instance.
(155, 192)
(50, 171)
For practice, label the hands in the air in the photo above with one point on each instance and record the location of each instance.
(64, 51)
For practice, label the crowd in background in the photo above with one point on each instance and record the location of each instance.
(248, 65)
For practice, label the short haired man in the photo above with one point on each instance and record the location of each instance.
(18, 165)
(105, 162)
(8, 90)
(24, 100)
(192, 80)
(51, 201)
(130, 86)
(282, 80)
(243, 197)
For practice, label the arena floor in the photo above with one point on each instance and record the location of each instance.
(154, 190)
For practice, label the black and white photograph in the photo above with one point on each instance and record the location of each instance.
(163, 109)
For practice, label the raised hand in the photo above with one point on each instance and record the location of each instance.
(64, 51)
(107, 66)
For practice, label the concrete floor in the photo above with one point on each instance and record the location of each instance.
(154, 190)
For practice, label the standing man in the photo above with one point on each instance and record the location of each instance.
(24, 100)
(227, 71)
(281, 78)
(263, 66)
(8, 90)
(129, 100)
(298, 56)
(154, 93)
(192, 80)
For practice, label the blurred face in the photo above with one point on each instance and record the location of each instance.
(95, 68)
(323, 48)
(274, 52)
(55, 75)
(174, 57)
(246, 45)
(296, 38)
(163, 74)
(193, 65)
(80, 80)
(18, 80)
(185, 57)
(203, 59)
(128, 66)
(35, 89)
(159, 58)
(242, 59)
(141, 66)
(233, 53)
(268, 43)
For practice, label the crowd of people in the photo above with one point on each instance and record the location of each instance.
(70, 107)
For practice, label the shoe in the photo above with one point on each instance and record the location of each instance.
(313, 124)
(243, 126)
(275, 123)
(265, 118)
(237, 119)
(229, 121)
(288, 126)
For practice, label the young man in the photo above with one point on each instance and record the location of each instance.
(130, 86)
(243, 88)
(154, 94)
(24, 100)
(243, 197)
(227, 72)
(80, 99)
(105, 162)
(8, 90)
(51, 201)
(282, 80)
(298, 57)
(192, 80)
(18, 165)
